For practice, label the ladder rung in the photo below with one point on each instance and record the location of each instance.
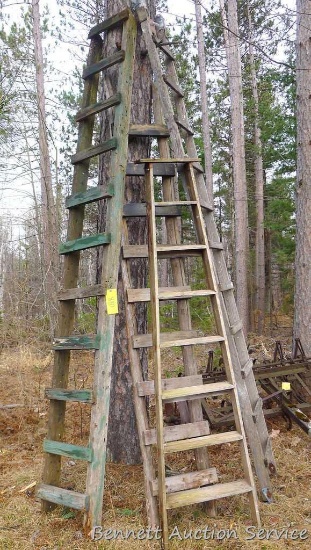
(66, 449)
(98, 107)
(183, 124)
(139, 209)
(168, 251)
(160, 169)
(64, 497)
(116, 57)
(189, 480)
(95, 150)
(236, 328)
(173, 85)
(213, 492)
(145, 340)
(80, 293)
(191, 341)
(203, 441)
(165, 49)
(110, 23)
(179, 160)
(247, 368)
(194, 392)
(149, 130)
(77, 342)
(216, 245)
(198, 168)
(226, 286)
(172, 203)
(147, 388)
(181, 431)
(85, 242)
(167, 293)
(81, 396)
(207, 206)
(90, 195)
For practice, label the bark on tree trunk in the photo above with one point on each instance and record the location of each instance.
(123, 444)
(302, 318)
(49, 214)
(230, 21)
(260, 299)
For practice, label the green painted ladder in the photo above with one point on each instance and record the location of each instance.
(102, 343)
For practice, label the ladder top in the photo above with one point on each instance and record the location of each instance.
(114, 21)
(164, 160)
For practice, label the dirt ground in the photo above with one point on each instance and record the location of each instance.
(24, 373)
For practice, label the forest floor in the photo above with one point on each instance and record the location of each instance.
(24, 373)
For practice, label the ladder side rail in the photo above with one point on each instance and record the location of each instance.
(109, 279)
(57, 409)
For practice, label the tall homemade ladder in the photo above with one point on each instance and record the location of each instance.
(185, 388)
(102, 341)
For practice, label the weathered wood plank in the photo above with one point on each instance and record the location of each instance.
(174, 433)
(77, 342)
(110, 23)
(202, 441)
(204, 494)
(175, 160)
(81, 292)
(85, 242)
(184, 125)
(164, 251)
(66, 449)
(82, 396)
(175, 203)
(149, 130)
(146, 388)
(167, 293)
(63, 497)
(90, 195)
(193, 392)
(216, 245)
(160, 169)
(145, 340)
(173, 85)
(198, 340)
(103, 64)
(95, 150)
(139, 209)
(189, 480)
(98, 107)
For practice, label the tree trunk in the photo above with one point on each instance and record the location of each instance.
(123, 444)
(260, 299)
(49, 214)
(230, 21)
(302, 317)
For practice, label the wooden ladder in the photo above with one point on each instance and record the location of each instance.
(196, 486)
(174, 113)
(102, 342)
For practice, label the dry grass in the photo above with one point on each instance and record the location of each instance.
(24, 374)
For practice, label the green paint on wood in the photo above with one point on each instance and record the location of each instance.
(85, 242)
(63, 497)
(82, 396)
(98, 107)
(90, 195)
(103, 64)
(95, 150)
(66, 449)
(110, 23)
(77, 342)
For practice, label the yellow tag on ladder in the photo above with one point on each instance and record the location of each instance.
(286, 386)
(112, 301)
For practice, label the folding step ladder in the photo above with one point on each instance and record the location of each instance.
(102, 342)
(174, 112)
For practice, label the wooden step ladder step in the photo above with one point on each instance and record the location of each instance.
(175, 160)
(163, 251)
(81, 292)
(149, 130)
(199, 340)
(165, 49)
(173, 339)
(60, 394)
(175, 433)
(147, 387)
(98, 107)
(66, 449)
(139, 210)
(183, 124)
(111, 23)
(194, 392)
(77, 342)
(173, 85)
(103, 64)
(63, 497)
(95, 150)
(85, 242)
(204, 494)
(160, 169)
(167, 293)
(189, 480)
(90, 195)
(172, 203)
(202, 441)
